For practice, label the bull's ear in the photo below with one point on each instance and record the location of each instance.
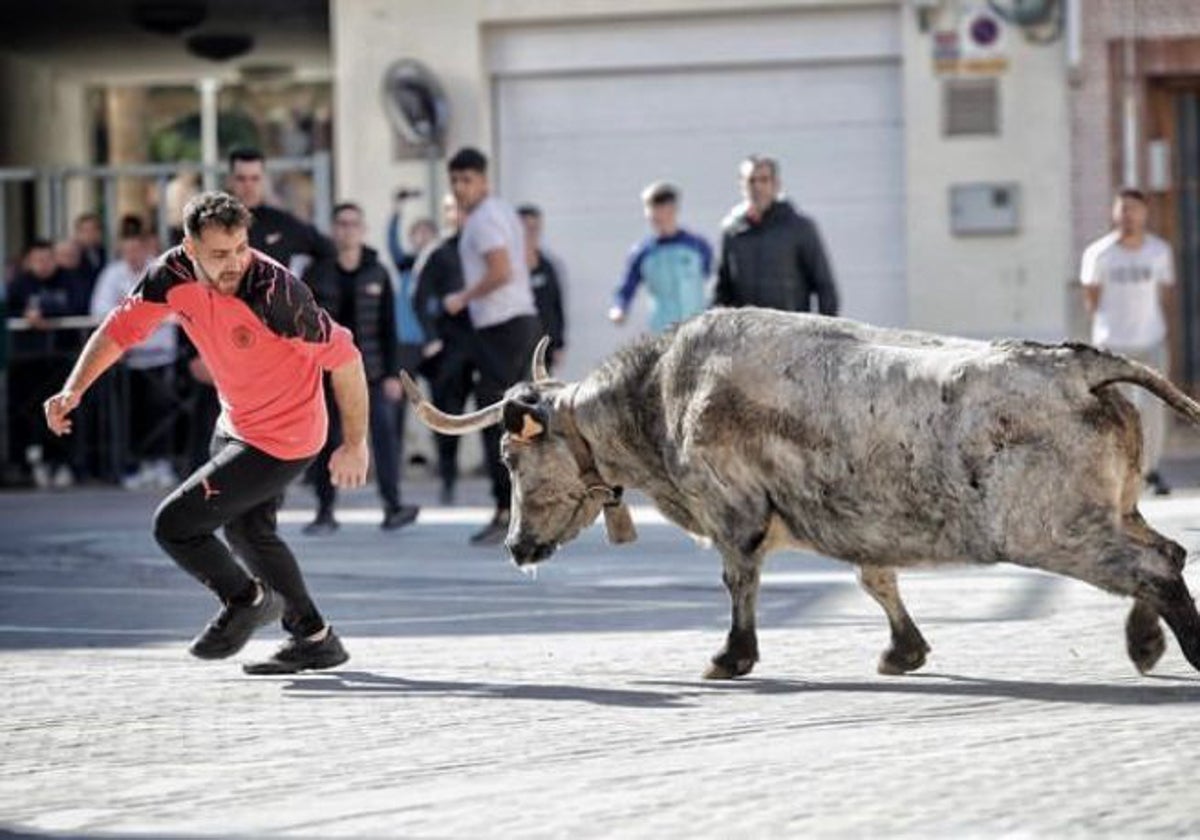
(525, 421)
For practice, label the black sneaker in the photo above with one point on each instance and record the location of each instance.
(398, 518)
(323, 525)
(494, 532)
(1158, 483)
(297, 655)
(233, 626)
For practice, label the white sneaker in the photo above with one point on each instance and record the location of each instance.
(42, 479)
(162, 475)
(139, 480)
(63, 478)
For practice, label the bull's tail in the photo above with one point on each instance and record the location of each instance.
(1109, 368)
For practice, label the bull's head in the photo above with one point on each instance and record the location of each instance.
(557, 491)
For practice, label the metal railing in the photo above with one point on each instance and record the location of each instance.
(101, 441)
(54, 216)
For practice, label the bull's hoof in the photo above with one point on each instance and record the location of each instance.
(896, 662)
(1146, 650)
(727, 669)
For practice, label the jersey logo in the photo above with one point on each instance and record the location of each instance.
(272, 238)
(243, 337)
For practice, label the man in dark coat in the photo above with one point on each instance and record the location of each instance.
(771, 255)
(356, 289)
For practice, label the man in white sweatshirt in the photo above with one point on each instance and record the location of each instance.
(150, 366)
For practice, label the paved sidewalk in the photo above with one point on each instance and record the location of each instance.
(481, 702)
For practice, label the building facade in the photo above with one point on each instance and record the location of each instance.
(582, 104)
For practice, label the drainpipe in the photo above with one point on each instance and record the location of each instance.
(1074, 35)
(209, 153)
(1129, 114)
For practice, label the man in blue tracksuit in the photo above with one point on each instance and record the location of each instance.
(672, 263)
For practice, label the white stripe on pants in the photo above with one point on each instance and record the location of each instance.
(1150, 407)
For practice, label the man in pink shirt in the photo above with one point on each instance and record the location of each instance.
(266, 344)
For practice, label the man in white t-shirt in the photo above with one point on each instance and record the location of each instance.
(1128, 277)
(499, 298)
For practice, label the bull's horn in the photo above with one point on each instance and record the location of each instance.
(540, 373)
(449, 424)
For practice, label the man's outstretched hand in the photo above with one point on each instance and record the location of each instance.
(57, 408)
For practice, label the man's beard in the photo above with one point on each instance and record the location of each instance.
(223, 281)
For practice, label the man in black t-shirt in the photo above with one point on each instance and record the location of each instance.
(275, 232)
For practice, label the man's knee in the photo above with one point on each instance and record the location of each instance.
(173, 523)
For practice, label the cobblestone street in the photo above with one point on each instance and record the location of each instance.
(480, 702)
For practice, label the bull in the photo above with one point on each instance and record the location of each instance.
(887, 449)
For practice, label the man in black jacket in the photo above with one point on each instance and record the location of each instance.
(450, 370)
(771, 255)
(355, 288)
(545, 277)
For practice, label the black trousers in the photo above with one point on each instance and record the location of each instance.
(385, 450)
(451, 380)
(502, 356)
(241, 489)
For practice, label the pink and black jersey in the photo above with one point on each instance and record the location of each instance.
(266, 347)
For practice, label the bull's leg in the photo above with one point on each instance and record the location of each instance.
(908, 648)
(1174, 603)
(1144, 640)
(737, 657)
(1147, 566)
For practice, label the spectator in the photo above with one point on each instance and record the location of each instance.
(771, 255)
(449, 365)
(422, 235)
(499, 299)
(89, 236)
(179, 191)
(545, 276)
(672, 263)
(1128, 278)
(68, 259)
(275, 232)
(150, 366)
(355, 287)
(40, 293)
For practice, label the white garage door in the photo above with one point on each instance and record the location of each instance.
(582, 146)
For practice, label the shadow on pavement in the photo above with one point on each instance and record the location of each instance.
(368, 683)
(1184, 689)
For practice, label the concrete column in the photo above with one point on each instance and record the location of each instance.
(127, 143)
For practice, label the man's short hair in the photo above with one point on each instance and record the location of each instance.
(346, 205)
(659, 193)
(88, 216)
(131, 227)
(38, 244)
(529, 211)
(1131, 192)
(246, 154)
(752, 162)
(214, 209)
(468, 159)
